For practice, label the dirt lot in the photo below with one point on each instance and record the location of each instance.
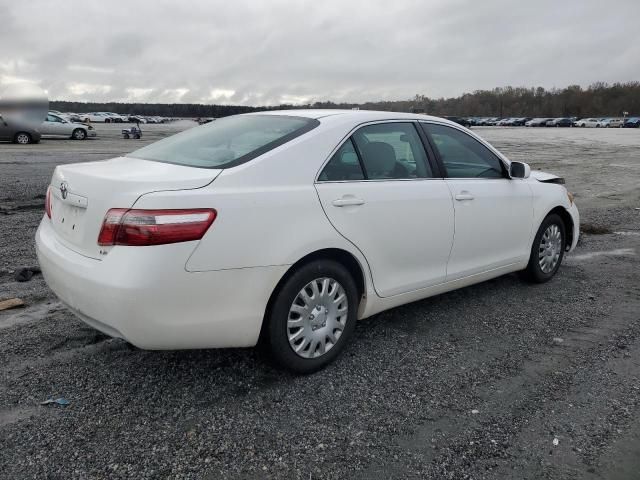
(500, 380)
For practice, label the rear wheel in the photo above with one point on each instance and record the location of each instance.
(23, 138)
(79, 134)
(313, 316)
(547, 250)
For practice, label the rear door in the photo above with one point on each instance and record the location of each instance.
(493, 213)
(381, 192)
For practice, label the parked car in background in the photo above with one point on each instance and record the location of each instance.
(460, 121)
(588, 122)
(612, 122)
(93, 117)
(514, 121)
(492, 122)
(72, 117)
(162, 249)
(111, 117)
(137, 119)
(537, 122)
(56, 126)
(18, 131)
(632, 122)
(559, 122)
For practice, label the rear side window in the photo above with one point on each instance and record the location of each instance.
(343, 166)
(462, 155)
(227, 142)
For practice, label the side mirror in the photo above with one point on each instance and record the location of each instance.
(519, 170)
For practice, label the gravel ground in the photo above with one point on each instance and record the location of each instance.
(500, 380)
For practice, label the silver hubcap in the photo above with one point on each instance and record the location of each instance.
(22, 138)
(317, 317)
(550, 248)
(79, 134)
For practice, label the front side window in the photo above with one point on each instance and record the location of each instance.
(228, 141)
(462, 155)
(392, 151)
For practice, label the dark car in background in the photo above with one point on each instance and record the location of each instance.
(518, 121)
(18, 131)
(460, 121)
(537, 122)
(560, 122)
(632, 122)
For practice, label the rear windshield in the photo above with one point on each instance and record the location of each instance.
(226, 142)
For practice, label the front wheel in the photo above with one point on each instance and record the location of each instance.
(79, 134)
(547, 250)
(313, 316)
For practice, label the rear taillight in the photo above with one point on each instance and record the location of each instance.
(47, 202)
(154, 227)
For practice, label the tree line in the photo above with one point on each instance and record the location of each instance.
(598, 100)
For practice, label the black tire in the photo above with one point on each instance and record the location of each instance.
(23, 138)
(534, 272)
(79, 134)
(276, 332)
(126, 136)
(107, 120)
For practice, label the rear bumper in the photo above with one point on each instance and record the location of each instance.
(145, 295)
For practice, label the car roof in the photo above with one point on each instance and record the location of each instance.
(356, 116)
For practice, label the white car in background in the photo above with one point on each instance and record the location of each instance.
(289, 226)
(94, 117)
(611, 122)
(111, 117)
(56, 126)
(588, 122)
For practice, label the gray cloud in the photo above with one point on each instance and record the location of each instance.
(255, 52)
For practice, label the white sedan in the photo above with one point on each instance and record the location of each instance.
(57, 126)
(588, 122)
(289, 226)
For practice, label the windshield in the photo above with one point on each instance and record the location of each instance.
(228, 141)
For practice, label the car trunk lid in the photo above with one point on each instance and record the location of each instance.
(82, 193)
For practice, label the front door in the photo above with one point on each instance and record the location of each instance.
(54, 125)
(493, 213)
(379, 191)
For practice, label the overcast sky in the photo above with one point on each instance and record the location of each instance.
(276, 51)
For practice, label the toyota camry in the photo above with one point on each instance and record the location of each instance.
(287, 227)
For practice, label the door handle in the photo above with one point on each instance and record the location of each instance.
(347, 201)
(464, 195)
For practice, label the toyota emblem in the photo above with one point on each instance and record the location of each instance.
(64, 191)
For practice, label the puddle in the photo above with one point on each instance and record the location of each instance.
(30, 314)
(620, 252)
